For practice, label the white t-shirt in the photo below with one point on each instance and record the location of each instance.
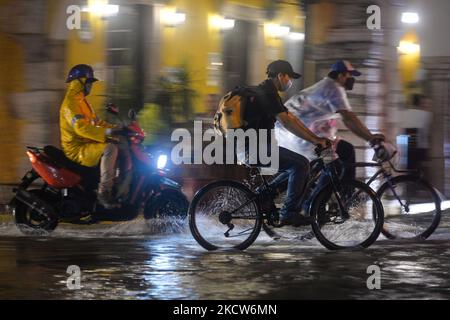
(316, 107)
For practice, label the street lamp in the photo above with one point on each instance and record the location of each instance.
(296, 36)
(410, 17)
(101, 9)
(222, 23)
(407, 47)
(276, 30)
(173, 18)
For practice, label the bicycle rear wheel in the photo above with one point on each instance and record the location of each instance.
(412, 208)
(354, 221)
(225, 214)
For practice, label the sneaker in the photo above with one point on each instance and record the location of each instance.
(106, 201)
(295, 220)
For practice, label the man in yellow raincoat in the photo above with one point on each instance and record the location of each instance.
(85, 139)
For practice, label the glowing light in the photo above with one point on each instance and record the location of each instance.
(427, 207)
(410, 17)
(162, 161)
(221, 23)
(32, 157)
(296, 36)
(418, 208)
(102, 9)
(227, 24)
(407, 47)
(276, 30)
(173, 18)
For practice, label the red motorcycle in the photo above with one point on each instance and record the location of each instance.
(67, 192)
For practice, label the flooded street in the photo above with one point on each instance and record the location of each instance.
(136, 261)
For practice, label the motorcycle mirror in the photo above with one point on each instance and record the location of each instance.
(132, 114)
(111, 108)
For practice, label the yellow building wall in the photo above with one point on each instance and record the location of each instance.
(322, 19)
(11, 82)
(250, 3)
(190, 42)
(92, 52)
(409, 63)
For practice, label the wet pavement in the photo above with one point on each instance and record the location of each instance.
(159, 261)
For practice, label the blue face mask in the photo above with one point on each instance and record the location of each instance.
(87, 89)
(287, 86)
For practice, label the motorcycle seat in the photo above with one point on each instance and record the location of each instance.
(59, 157)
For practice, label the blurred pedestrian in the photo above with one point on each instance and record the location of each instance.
(415, 123)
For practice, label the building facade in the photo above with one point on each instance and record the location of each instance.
(196, 51)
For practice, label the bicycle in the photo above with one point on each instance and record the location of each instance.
(228, 214)
(412, 206)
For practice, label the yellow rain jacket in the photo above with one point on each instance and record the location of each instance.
(83, 134)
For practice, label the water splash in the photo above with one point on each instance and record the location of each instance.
(137, 228)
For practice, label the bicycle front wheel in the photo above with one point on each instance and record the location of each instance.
(412, 208)
(350, 217)
(225, 214)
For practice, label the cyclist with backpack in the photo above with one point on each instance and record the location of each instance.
(261, 112)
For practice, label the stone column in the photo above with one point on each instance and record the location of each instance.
(438, 89)
(36, 108)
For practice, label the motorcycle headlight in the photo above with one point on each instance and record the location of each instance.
(162, 161)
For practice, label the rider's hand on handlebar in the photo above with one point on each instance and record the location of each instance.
(324, 143)
(112, 139)
(113, 135)
(376, 139)
(116, 131)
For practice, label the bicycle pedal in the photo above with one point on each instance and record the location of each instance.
(270, 232)
(309, 236)
(278, 224)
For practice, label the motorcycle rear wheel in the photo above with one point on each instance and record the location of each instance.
(32, 222)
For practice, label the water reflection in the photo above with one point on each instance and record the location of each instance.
(173, 266)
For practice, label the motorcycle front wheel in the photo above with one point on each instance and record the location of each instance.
(169, 204)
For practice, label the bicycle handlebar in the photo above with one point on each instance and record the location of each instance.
(376, 142)
(319, 149)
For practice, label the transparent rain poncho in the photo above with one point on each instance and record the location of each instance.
(316, 107)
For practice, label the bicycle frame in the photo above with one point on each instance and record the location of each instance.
(382, 169)
(385, 172)
(330, 200)
(318, 163)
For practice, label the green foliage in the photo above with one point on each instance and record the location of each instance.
(171, 107)
(175, 96)
(151, 121)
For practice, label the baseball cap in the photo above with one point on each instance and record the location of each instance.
(343, 66)
(282, 66)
